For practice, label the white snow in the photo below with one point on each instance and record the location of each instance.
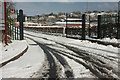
(97, 50)
(79, 70)
(82, 44)
(113, 40)
(110, 40)
(27, 65)
(0, 60)
(12, 50)
(46, 26)
(33, 59)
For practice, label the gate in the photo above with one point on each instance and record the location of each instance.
(77, 29)
(93, 25)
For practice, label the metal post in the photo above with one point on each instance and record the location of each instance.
(89, 27)
(5, 15)
(83, 27)
(21, 23)
(118, 27)
(15, 33)
(10, 28)
(66, 26)
(99, 27)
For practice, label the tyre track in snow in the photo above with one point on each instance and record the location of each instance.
(68, 70)
(96, 68)
(74, 44)
(53, 71)
(109, 57)
(97, 65)
(93, 70)
(93, 41)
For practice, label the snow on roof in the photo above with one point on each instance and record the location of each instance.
(70, 23)
(45, 26)
(29, 23)
(73, 19)
(92, 14)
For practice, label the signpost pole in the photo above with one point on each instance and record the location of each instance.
(5, 15)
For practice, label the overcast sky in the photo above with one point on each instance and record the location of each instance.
(38, 8)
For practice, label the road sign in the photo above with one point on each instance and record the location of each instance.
(12, 11)
(16, 24)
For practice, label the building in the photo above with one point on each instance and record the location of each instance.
(2, 30)
(71, 22)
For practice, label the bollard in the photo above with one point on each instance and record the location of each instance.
(83, 27)
(89, 27)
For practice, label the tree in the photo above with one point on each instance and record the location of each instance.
(10, 6)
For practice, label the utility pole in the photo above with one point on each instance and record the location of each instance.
(5, 16)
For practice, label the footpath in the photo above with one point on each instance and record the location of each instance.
(28, 64)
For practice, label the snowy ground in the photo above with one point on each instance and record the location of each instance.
(13, 49)
(113, 40)
(105, 54)
(25, 66)
(0, 59)
(51, 56)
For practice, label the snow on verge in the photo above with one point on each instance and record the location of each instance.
(27, 65)
(0, 60)
(13, 49)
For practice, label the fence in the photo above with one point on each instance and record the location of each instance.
(110, 26)
(47, 30)
(15, 32)
(103, 26)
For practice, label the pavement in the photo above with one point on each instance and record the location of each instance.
(26, 65)
(12, 51)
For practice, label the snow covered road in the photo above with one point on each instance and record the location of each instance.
(69, 58)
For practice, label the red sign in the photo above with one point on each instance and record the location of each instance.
(16, 25)
(108, 15)
(12, 11)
